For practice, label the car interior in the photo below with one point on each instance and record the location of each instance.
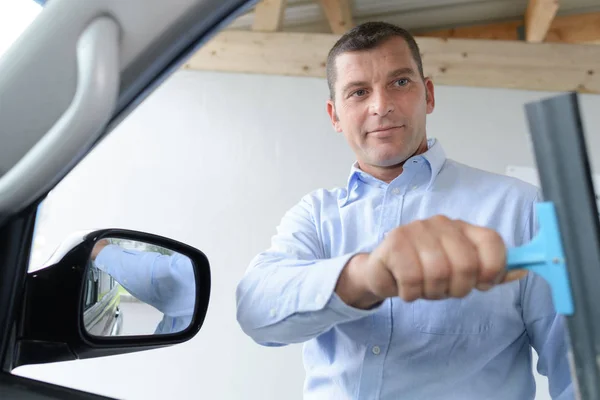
(83, 66)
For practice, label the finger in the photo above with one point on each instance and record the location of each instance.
(504, 277)
(402, 261)
(464, 260)
(491, 251)
(433, 260)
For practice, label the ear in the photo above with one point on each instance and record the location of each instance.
(335, 121)
(430, 96)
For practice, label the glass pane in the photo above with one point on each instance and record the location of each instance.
(137, 288)
(15, 17)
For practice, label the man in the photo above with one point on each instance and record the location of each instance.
(165, 282)
(396, 283)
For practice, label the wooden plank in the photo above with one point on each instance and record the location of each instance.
(455, 62)
(339, 15)
(578, 28)
(268, 15)
(496, 31)
(582, 28)
(538, 18)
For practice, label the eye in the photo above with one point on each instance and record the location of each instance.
(401, 82)
(359, 93)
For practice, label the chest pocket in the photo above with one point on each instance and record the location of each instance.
(471, 315)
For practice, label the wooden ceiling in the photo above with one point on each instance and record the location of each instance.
(540, 50)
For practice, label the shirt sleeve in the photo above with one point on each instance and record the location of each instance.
(165, 282)
(545, 327)
(287, 294)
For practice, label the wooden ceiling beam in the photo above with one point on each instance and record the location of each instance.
(339, 15)
(538, 18)
(581, 28)
(577, 28)
(455, 62)
(268, 15)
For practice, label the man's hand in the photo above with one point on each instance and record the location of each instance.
(434, 259)
(98, 248)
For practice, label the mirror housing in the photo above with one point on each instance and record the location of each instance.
(50, 326)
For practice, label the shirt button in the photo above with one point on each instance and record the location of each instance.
(414, 187)
(376, 350)
(396, 191)
(272, 312)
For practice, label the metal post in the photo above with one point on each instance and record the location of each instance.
(560, 151)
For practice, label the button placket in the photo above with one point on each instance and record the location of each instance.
(379, 339)
(389, 211)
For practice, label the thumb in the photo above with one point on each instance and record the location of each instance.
(511, 275)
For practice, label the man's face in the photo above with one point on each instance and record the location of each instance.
(381, 103)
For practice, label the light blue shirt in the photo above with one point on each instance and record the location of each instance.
(165, 282)
(478, 347)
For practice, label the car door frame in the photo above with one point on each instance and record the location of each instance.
(16, 232)
(17, 229)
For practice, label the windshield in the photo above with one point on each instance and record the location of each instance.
(15, 17)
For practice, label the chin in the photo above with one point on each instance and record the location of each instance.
(388, 161)
(390, 157)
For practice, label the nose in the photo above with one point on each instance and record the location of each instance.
(381, 103)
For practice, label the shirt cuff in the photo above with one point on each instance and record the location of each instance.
(310, 297)
(324, 283)
(337, 304)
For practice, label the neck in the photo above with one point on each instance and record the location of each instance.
(385, 174)
(388, 174)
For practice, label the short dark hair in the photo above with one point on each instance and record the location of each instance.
(368, 36)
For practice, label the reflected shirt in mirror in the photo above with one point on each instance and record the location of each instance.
(165, 282)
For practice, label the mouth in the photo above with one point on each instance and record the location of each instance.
(384, 130)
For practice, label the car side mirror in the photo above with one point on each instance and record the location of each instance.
(110, 292)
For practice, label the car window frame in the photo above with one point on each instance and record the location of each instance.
(17, 229)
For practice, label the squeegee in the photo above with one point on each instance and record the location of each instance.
(566, 248)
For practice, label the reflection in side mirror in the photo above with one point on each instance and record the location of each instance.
(135, 288)
(107, 292)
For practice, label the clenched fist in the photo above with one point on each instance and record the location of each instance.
(432, 259)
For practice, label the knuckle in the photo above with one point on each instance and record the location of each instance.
(408, 292)
(490, 236)
(396, 236)
(417, 226)
(462, 293)
(406, 296)
(466, 269)
(467, 263)
(440, 219)
(410, 279)
(439, 275)
(438, 269)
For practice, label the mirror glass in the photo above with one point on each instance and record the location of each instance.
(134, 288)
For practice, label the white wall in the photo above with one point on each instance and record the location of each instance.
(215, 160)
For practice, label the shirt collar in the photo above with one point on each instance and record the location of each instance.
(435, 157)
